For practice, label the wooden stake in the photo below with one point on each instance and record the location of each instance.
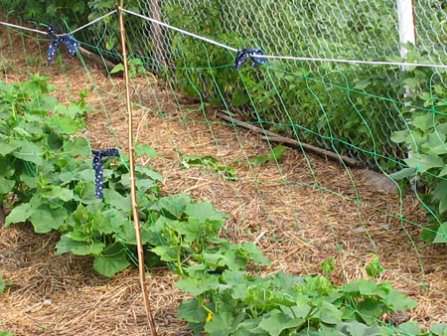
(133, 195)
(273, 137)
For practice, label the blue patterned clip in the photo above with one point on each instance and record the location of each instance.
(69, 41)
(98, 156)
(250, 54)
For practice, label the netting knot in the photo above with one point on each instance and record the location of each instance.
(98, 156)
(69, 41)
(255, 55)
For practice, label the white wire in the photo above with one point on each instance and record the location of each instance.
(182, 31)
(22, 28)
(288, 58)
(90, 23)
(349, 61)
(7, 24)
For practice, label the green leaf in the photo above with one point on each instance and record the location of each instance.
(328, 266)
(65, 125)
(370, 310)
(329, 314)
(439, 329)
(2, 284)
(141, 150)
(398, 301)
(61, 193)
(222, 324)
(197, 287)
(6, 185)
(29, 152)
(79, 248)
(441, 234)
(275, 155)
(424, 121)
(443, 172)
(117, 68)
(204, 211)
(174, 205)
(410, 328)
(117, 200)
(192, 311)
(253, 253)
(112, 260)
(6, 149)
(403, 174)
(363, 288)
(423, 163)
(276, 322)
(78, 147)
(6, 333)
(374, 268)
(166, 253)
(45, 219)
(19, 214)
(440, 194)
(147, 172)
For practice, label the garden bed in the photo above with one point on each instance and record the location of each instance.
(300, 212)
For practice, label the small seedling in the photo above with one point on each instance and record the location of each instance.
(275, 155)
(2, 285)
(136, 68)
(374, 268)
(210, 162)
(328, 266)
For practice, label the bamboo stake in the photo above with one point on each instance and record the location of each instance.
(142, 274)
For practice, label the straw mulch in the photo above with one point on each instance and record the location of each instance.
(299, 212)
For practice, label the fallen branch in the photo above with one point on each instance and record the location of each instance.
(101, 61)
(273, 137)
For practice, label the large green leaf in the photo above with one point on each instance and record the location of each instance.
(65, 125)
(78, 147)
(403, 174)
(6, 185)
(174, 205)
(443, 172)
(400, 136)
(141, 149)
(441, 234)
(204, 211)
(398, 301)
(117, 200)
(197, 286)
(6, 148)
(222, 324)
(192, 311)
(423, 163)
(30, 152)
(45, 219)
(439, 329)
(67, 245)
(277, 321)
(56, 192)
(440, 194)
(19, 214)
(329, 314)
(112, 260)
(166, 253)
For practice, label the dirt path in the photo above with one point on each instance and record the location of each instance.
(300, 212)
